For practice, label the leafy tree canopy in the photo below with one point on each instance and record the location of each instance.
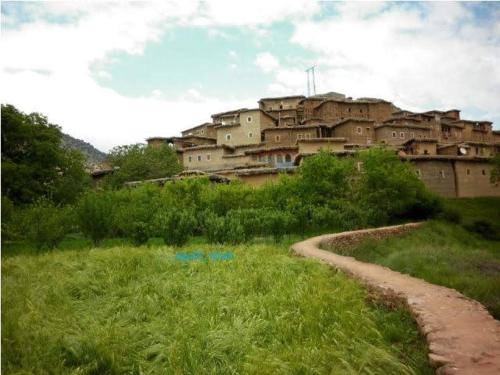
(33, 163)
(140, 162)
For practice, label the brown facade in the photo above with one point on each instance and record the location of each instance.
(357, 131)
(395, 134)
(288, 136)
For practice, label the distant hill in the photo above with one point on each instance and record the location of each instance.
(92, 154)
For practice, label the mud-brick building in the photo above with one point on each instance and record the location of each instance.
(445, 149)
(456, 176)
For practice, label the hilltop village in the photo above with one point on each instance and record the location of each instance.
(450, 154)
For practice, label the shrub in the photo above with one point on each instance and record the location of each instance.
(228, 229)
(213, 228)
(450, 215)
(174, 226)
(46, 225)
(277, 223)
(483, 228)
(95, 215)
(139, 232)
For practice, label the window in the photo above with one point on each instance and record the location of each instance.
(483, 172)
(367, 130)
(270, 158)
(209, 157)
(394, 135)
(228, 137)
(250, 135)
(277, 138)
(202, 131)
(426, 152)
(419, 174)
(299, 136)
(359, 130)
(288, 158)
(307, 136)
(348, 109)
(199, 157)
(249, 119)
(360, 111)
(190, 159)
(442, 173)
(279, 158)
(412, 135)
(468, 172)
(401, 135)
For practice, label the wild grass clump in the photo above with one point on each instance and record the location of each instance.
(141, 310)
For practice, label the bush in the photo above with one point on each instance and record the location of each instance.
(228, 229)
(483, 228)
(213, 228)
(450, 215)
(174, 226)
(95, 215)
(139, 233)
(46, 225)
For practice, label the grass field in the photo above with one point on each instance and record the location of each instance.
(126, 310)
(445, 253)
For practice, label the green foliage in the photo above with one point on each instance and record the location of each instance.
(45, 225)
(388, 188)
(174, 226)
(95, 215)
(495, 171)
(34, 165)
(140, 162)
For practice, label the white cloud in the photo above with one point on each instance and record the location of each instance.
(233, 54)
(46, 66)
(267, 62)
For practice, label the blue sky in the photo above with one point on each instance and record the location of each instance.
(116, 73)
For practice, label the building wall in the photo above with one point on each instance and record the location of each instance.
(247, 132)
(380, 111)
(385, 134)
(190, 158)
(156, 142)
(256, 180)
(204, 130)
(279, 103)
(288, 136)
(437, 175)
(356, 132)
(473, 179)
(425, 148)
(313, 147)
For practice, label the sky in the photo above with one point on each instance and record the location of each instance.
(115, 73)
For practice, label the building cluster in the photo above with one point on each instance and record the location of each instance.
(256, 144)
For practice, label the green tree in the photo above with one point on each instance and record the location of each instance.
(140, 162)
(495, 171)
(34, 165)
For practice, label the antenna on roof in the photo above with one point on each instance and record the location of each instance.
(311, 79)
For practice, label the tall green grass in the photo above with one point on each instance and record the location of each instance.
(444, 254)
(126, 310)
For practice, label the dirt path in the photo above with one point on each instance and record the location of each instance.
(463, 338)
